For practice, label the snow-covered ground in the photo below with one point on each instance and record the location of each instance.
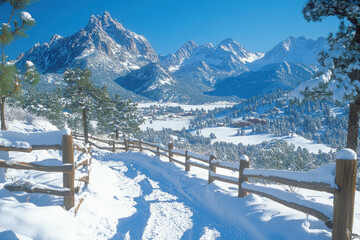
(186, 107)
(173, 123)
(227, 134)
(138, 196)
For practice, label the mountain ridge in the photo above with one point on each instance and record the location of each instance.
(274, 76)
(114, 53)
(293, 49)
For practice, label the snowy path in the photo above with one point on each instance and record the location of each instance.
(162, 212)
(132, 195)
(136, 196)
(171, 202)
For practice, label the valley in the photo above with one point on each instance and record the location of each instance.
(161, 126)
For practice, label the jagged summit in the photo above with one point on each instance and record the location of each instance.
(173, 61)
(104, 21)
(203, 65)
(191, 43)
(55, 38)
(227, 41)
(102, 44)
(106, 14)
(294, 50)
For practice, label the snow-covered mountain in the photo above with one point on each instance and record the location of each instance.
(112, 53)
(103, 39)
(282, 75)
(103, 45)
(205, 64)
(293, 50)
(149, 78)
(158, 84)
(173, 61)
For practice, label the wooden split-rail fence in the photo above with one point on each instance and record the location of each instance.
(341, 220)
(68, 167)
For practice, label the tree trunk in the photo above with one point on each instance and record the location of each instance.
(353, 126)
(3, 123)
(85, 126)
(117, 133)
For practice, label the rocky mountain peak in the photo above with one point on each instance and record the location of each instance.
(102, 22)
(108, 21)
(190, 44)
(227, 41)
(103, 45)
(293, 50)
(55, 38)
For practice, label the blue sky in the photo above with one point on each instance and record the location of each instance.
(258, 25)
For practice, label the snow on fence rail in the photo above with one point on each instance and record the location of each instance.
(57, 140)
(338, 179)
(320, 179)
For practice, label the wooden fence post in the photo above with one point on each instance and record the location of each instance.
(116, 134)
(171, 147)
(114, 147)
(126, 145)
(344, 197)
(157, 151)
(68, 178)
(140, 145)
(212, 168)
(244, 163)
(187, 165)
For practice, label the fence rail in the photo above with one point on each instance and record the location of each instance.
(14, 187)
(316, 186)
(30, 149)
(290, 202)
(343, 190)
(67, 167)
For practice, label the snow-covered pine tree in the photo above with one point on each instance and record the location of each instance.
(83, 96)
(11, 79)
(49, 105)
(340, 72)
(124, 117)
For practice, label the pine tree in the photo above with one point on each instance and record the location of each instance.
(212, 136)
(124, 117)
(49, 105)
(340, 72)
(11, 79)
(83, 96)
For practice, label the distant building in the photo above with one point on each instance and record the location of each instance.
(239, 124)
(257, 121)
